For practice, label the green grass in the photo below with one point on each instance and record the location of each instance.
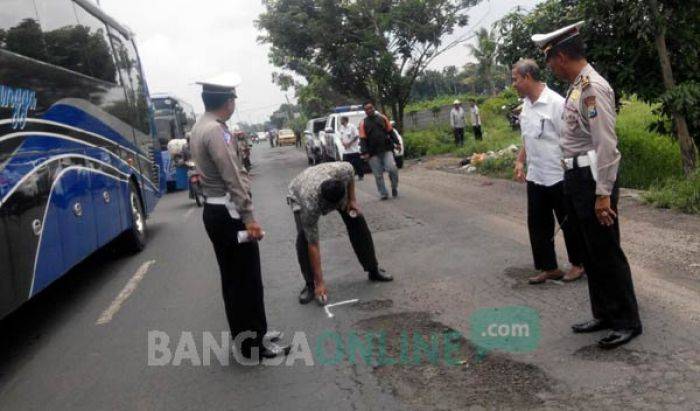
(499, 167)
(677, 192)
(648, 158)
(442, 101)
(440, 140)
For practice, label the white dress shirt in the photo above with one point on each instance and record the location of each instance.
(541, 125)
(349, 135)
(474, 115)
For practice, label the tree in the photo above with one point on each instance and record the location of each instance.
(625, 41)
(485, 54)
(659, 18)
(367, 48)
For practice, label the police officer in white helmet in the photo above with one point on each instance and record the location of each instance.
(591, 162)
(228, 211)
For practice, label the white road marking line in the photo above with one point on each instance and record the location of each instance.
(126, 292)
(330, 314)
(189, 213)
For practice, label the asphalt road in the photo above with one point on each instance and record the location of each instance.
(84, 343)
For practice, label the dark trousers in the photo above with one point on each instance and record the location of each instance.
(357, 163)
(241, 281)
(360, 238)
(459, 136)
(543, 204)
(609, 276)
(477, 133)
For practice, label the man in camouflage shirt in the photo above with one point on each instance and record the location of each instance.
(315, 192)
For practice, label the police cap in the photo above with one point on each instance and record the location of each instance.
(547, 42)
(221, 85)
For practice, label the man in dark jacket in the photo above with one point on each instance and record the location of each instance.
(377, 145)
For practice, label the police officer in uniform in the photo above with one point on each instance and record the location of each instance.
(591, 162)
(229, 210)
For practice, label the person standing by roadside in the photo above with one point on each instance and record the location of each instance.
(458, 122)
(228, 211)
(475, 118)
(377, 145)
(540, 125)
(591, 160)
(351, 141)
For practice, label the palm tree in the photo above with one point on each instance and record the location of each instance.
(485, 54)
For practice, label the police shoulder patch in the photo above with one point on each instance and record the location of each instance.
(585, 82)
(591, 109)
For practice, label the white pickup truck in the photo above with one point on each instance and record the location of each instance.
(333, 148)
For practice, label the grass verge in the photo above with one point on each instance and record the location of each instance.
(677, 192)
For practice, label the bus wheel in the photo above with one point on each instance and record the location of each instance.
(135, 236)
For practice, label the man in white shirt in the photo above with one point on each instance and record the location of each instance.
(458, 122)
(541, 125)
(351, 141)
(475, 118)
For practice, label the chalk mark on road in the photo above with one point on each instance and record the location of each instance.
(126, 292)
(327, 307)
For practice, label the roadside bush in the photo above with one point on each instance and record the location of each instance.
(443, 101)
(677, 192)
(648, 158)
(427, 142)
(499, 167)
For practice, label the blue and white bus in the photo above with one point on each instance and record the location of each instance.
(77, 141)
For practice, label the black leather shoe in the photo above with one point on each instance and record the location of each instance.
(380, 275)
(274, 350)
(590, 326)
(394, 192)
(306, 295)
(617, 338)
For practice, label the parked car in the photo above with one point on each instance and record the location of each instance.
(333, 147)
(286, 137)
(314, 144)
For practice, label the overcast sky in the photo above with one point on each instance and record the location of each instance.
(181, 41)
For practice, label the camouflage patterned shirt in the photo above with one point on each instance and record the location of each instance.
(305, 194)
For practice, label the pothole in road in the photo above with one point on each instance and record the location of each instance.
(494, 381)
(333, 226)
(374, 305)
(621, 354)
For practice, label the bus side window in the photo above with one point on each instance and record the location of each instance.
(20, 31)
(65, 39)
(130, 73)
(98, 52)
(136, 91)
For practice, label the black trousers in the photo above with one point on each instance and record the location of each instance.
(360, 238)
(357, 163)
(241, 281)
(459, 136)
(478, 135)
(543, 204)
(609, 276)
